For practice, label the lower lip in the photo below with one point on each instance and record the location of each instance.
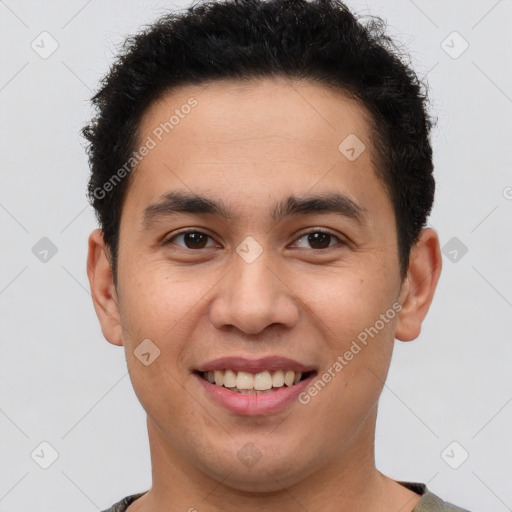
(255, 405)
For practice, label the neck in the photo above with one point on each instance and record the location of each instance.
(348, 483)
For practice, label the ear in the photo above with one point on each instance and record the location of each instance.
(419, 285)
(103, 292)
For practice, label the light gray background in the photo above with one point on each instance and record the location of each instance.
(62, 383)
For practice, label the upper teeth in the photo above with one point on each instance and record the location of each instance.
(260, 381)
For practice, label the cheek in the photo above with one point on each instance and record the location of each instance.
(345, 304)
(162, 307)
(154, 303)
(153, 310)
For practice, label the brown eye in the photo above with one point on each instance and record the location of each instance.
(319, 239)
(191, 239)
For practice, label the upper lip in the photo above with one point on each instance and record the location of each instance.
(243, 364)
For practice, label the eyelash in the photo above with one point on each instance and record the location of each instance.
(323, 232)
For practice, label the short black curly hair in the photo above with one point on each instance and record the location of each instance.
(318, 40)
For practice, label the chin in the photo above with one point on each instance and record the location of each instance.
(260, 481)
(253, 471)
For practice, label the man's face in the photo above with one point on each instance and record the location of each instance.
(258, 284)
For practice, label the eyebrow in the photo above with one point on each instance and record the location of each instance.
(175, 202)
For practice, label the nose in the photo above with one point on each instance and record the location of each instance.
(253, 296)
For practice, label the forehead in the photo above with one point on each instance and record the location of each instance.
(266, 110)
(268, 137)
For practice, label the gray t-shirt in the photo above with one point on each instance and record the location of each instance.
(429, 502)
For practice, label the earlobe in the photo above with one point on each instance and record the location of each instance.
(103, 291)
(418, 289)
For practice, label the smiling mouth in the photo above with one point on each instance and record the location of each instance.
(247, 383)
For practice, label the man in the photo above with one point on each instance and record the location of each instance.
(262, 175)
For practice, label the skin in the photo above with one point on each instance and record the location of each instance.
(251, 145)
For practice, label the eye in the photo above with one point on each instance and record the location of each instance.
(198, 240)
(319, 239)
(191, 239)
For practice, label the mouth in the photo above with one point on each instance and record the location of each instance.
(248, 387)
(247, 383)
